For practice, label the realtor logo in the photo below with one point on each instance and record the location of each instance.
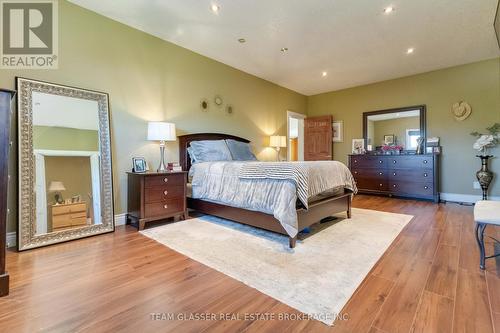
(29, 34)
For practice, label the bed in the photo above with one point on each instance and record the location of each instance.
(335, 201)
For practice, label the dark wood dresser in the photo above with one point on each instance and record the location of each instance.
(154, 196)
(412, 176)
(5, 150)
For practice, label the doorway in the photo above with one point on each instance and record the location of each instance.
(295, 136)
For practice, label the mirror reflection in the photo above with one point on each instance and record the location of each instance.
(399, 128)
(67, 162)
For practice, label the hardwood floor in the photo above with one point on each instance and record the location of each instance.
(428, 281)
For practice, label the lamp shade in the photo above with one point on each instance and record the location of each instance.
(160, 131)
(56, 186)
(277, 141)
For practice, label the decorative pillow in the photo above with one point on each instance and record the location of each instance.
(240, 151)
(209, 150)
(191, 155)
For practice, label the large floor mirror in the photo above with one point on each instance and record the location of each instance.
(65, 177)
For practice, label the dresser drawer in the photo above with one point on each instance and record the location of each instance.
(410, 162)
(366, 161)
(155, 181)
(371, 184)
(410, 175)
(369, 173)
(411, 188)
(61, 221)
(162, 193)
(164, 208)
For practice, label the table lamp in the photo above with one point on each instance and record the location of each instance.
(161, 131)
(57, 187)
(277, 141)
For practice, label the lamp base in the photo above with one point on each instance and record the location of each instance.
(162, 167)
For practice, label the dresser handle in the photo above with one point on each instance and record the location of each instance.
(425, 161)
(380, 185)
(394, 185)
(380, 161)
(355, 172)
(381, 173)
(394, 161)
(355, 161)
(426, 187)
(165, 206)
(393, 173)
(165, 179)
(425, 174)
(165, 192)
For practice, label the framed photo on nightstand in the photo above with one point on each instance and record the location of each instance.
(138, 164)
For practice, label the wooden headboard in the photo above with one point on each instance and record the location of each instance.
(185, 141)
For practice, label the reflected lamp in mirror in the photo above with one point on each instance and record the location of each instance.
(161, 131)
(57, 187)
(277, 142)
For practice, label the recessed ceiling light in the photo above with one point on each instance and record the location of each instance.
(410, 50)
(215, 8)
(324, 74)
(242, 40)
(388, 10)
(284, 49)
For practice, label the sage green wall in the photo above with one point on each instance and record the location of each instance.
(150, 79)
(477, 83)
(63, 138)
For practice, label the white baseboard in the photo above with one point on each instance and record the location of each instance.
(120, 219)
(467, 198)
(11, 239)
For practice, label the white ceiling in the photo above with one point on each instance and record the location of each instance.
(62, 111)
(352, 40)
(386, 116)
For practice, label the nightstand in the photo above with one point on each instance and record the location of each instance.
(154, 196)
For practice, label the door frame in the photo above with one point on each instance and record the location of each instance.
(300, 142)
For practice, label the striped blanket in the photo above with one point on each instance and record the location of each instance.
(310, 177)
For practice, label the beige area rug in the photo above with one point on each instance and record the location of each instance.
(317, 277)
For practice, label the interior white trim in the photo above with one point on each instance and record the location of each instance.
(467, 198)
(11, 239)
(120, 219)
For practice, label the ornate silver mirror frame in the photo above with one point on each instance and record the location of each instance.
(27, 239)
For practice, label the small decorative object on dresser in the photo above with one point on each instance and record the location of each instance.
(138, 164)
(154, 196)
(358, 146)
(413, 176)
(485, 141)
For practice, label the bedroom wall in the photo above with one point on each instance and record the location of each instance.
(477, 83)
(150, 79)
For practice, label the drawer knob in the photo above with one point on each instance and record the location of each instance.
(165, 192)
(380, 185)
(425, 174)
(425, 161)
(165, 179)
(355, 161)
(393, 173)
(165, 206)
(355, 172)
(380, 161)
(381, 173)
(426, 187)
(394, 185)
(394, 161)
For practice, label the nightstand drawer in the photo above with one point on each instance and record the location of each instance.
(164, 208)
(174, 179)
(158, 194)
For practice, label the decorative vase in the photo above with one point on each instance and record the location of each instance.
(484, 176)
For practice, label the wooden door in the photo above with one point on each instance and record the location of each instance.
(318, 138)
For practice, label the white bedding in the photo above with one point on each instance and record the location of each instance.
(220, 182)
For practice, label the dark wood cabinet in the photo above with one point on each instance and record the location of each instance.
(5, 147)
(154, 196)
(413, 176)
